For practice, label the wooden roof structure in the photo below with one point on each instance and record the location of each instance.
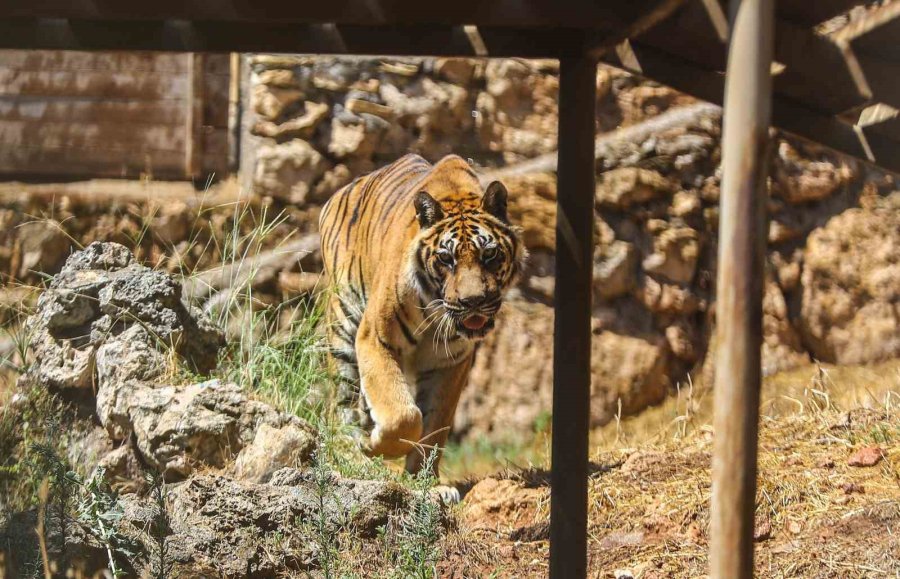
(826, 70)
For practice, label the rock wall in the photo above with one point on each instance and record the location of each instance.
(831, 290)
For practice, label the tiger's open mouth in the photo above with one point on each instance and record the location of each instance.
(474, 325)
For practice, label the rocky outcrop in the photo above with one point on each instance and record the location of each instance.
(101, 294)
(226, 528)
(107, 327)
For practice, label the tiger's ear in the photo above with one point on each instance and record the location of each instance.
(494, 201)
(428, 211)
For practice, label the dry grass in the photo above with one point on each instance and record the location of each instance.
(817, 516)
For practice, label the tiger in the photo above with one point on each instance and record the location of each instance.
(419, 258)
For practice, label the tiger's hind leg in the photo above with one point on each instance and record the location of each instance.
(344, 313)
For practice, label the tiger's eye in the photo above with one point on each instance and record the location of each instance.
(489, 253)
(445, 257)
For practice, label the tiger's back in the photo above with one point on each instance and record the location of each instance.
(354, 225)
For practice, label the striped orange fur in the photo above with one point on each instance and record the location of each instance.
(420, 256)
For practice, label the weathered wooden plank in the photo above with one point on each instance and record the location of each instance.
(810, 61)
(811, 12)
(214, 157)
(77, 110)
(739, 289)
(572, 321)
(90, 161)
(788, 115)
(876, 33)
(296, 38)
(112, 61)
(215, 99)
(883, 78)
(818, 72)
(578, 14)
(217, 64)
(691, 34)
(101, 85)
(194, 123)
(100, 136)
(131, 162)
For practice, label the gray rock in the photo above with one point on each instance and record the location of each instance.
(95, 301)
(177, 429)
(102, 256)
(273, 448)
(223, 528)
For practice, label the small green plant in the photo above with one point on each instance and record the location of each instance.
(160, 526)
(62, 483)
(99, 511)
(420, 528)
(325, 532)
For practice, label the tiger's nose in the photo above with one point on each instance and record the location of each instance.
(478, 300)
(472, 301)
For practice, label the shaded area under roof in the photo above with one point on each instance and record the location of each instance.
(837, 82)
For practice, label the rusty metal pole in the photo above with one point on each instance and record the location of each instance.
(742, 238)
(572, 322)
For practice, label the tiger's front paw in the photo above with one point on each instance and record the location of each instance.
(392, 438)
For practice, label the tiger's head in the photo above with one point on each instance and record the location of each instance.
(465, 256)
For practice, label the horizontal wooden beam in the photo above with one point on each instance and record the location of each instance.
(787, 114)
(876, 33)
(582, 14)
(812, 12)
(181, 36)
(811, 62)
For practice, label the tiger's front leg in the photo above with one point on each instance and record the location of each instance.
(438, 397)
(398, 421)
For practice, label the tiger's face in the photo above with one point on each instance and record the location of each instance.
(465, 257)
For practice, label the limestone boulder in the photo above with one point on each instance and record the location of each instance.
(676, 251)
(288, 171)
(180, 428)
(850, 311)
(621, 188)
(615, 274)
(221, 527)
(271, 102)
(810, 175)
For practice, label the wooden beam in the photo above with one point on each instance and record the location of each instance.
(818, 72)
(875, 33)
(872, 43)
(546, 14)
(180, 36)
(787, 115)
(193, 138)
(810, 61)
(739, 291)
(811, 12)
(572, 322)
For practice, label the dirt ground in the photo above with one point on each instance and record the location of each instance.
(828, 493)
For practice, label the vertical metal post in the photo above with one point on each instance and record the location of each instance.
(742, 238)
(572, 324)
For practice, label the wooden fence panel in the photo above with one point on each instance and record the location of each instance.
(113, 114)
